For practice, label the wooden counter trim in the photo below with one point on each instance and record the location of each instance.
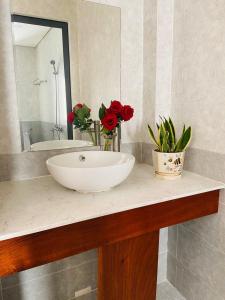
(32, 250)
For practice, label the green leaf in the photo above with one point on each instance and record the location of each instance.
(86, 111)
(184, 140)
(165, 146)
(178, 145)
(101, 112)
(173, 129)
(161, 136)
(152, 136)
(166, 139)
(171, 138)
(80, 113)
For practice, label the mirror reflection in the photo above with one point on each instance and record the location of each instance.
(40, 81)
(43, 68)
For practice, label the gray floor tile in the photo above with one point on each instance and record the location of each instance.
(166, 291)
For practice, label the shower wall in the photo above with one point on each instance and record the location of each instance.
(27, 94)
(51, 48)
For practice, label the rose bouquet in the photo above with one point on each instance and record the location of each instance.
(80, 117)
(111, 119)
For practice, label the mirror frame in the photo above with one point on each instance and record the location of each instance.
(66, 54)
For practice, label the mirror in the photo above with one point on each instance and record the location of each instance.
(43, 68)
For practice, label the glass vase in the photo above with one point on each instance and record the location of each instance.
(85, 135)
(109, 142)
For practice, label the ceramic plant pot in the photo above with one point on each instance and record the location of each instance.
(168, 165)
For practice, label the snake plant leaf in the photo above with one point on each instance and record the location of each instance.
(161, 137)
(169, 129)
(165, 146)
(166, 139)
(152, 136)
(173, 129)
(178, 145)
(186, 138)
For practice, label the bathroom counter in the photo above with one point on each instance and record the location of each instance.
(39, 204)
(41, 222)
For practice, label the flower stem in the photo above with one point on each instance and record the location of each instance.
(92, 138)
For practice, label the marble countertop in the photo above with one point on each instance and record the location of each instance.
(39, 204)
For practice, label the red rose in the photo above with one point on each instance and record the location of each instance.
(127, 112)
(115, 107)
(71, 117)
(77, 106)
(109, 121)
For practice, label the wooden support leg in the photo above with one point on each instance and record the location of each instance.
(128, 269)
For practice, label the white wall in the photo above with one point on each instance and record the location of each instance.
(149, 66)
(158, 61)
(199, 72)
(9, 124)
(199, 100)
(51, 48)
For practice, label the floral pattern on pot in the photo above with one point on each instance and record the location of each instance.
(168, 165)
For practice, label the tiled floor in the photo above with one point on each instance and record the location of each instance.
(167, 291)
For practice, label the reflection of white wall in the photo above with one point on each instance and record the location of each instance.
(50, 48)
(27, 93)
(131, 62)
(99, 43)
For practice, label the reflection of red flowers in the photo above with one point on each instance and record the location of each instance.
(115, 107)
(127, 112)
(77, 106)
(70, 117)
(110, 121)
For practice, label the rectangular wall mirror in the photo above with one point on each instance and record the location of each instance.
(54, 59)
(42, 69)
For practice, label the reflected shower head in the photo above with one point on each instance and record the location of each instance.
(52, 62)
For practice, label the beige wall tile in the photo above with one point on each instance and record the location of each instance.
(172, 240)
(172, 269)
(198, 78)
(162, 267)
(41, 271)
(201, 259)
(192, 288)
(60, 285)
(9, 125)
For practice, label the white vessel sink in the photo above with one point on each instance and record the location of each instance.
(59, 144)
(90, 171)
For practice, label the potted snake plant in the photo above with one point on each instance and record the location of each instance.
(168, 157)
